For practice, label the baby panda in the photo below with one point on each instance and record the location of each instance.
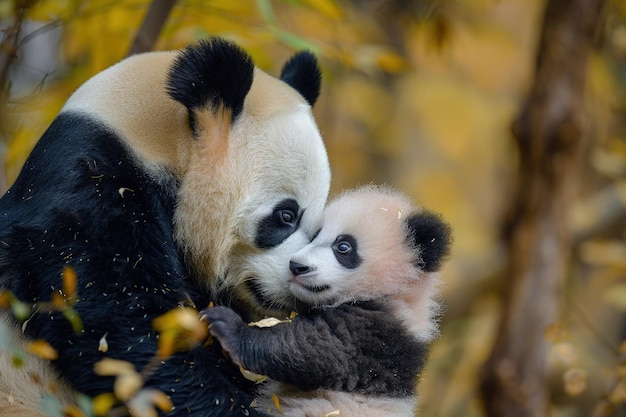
(367, 287)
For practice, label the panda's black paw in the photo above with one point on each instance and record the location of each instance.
(226, 326)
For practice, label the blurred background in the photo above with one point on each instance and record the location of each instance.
(424, 95)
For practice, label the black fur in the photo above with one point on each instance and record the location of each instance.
(428, 233)
(278, 225)
(211, 72)
(350, 259)
(81, 200)
(360, 348)
(302, 72)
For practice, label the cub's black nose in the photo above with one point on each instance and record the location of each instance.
(298, 269)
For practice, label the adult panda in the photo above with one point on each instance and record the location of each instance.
(169, 179)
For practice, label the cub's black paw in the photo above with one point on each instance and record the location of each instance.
(225, 325)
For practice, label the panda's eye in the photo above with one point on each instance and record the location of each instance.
(344, 247)
(287, 217)
(346, 251)
(279, 224)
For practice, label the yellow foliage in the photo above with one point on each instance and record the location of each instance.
(103, 403)
(328, 8)
(179, 329)
(42, 349)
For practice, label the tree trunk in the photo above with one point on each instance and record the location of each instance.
(549, 136)
(8, 51)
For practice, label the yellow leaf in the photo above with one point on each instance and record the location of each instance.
(391, 62)
(179, 329)
(58, 301)
(72, 411)
(143, 404)
(162, 401)
(327, 7)
(113, 367)
(42, 349)
(126, 385)
(69, 281)
(103, 403)
(277, 403)
(575, 381)
(6, 297)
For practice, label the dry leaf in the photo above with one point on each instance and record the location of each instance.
(277, 403)
(575, 381)
(113, 367)
(143, 404)
(251, 376)
(179, 329)
(72, 411)
(268, 322)
(103, 345)
(42, 349)
(103, 403)
(127, 385)
(70, 281)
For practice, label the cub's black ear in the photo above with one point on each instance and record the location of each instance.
(303, 73)
(431, 236)
(211, 73)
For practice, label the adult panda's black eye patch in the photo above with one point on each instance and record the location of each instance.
(345, 251)
(279, 224)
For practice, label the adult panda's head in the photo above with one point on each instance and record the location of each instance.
(242, 151)
(258, 174)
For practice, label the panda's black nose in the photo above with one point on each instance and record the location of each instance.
(298, 269)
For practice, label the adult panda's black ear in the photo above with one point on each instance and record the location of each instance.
(431, 236)
(211, 74)
(303, 73)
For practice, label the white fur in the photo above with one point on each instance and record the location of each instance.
(23, 388)
(375, 217)
(320, 403)
(230, 178)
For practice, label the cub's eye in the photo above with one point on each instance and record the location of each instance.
(346, 251)
(344, 247)
(287, 217)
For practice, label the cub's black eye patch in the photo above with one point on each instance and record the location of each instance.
(279, 224)
(345, 251)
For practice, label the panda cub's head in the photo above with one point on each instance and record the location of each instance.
(373, 244)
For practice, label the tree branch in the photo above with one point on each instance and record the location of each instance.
(151, 26)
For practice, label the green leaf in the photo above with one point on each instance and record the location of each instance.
(74, 319)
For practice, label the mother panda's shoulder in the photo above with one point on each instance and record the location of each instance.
(131, 100)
